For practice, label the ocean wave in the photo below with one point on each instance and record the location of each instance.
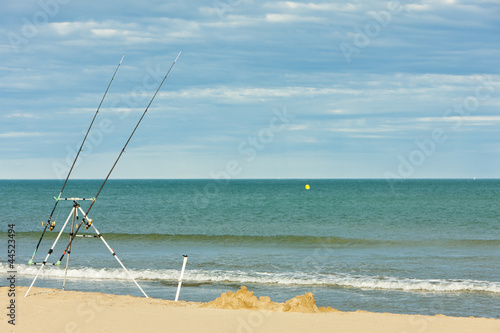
(198, 276)
(279, 240)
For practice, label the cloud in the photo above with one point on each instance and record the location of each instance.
(22, 115)
(248, 94)
(310, 6)
(16, 135)
(138, 32)
(469, 120)
(290, 18)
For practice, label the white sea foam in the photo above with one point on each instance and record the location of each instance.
(284, 278)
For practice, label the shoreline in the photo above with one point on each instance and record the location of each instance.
(53, 310)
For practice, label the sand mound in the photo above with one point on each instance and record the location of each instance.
(304, 303)
(244, 299)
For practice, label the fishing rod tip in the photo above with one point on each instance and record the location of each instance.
(178, 55)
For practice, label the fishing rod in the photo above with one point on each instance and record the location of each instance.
(85, 220)
(50, 225)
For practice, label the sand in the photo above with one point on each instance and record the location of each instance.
(52, 310)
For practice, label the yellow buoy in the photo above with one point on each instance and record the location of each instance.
(307, 186)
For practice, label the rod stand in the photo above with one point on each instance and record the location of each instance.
(88, 223)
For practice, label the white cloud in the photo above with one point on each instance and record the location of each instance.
(337, 111)
(138, 32)
(290, 18)
(14, 135)
(305, 139)
(232, 20)
(418, 7)
(292, 5)
(108, 33)
(21, 115)
(68, 28)
(298, 127)
(474, 120)
(240, 95)
(376, 89)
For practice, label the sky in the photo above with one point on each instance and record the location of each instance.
(262, 89)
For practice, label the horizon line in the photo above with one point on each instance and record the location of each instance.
(269, 178)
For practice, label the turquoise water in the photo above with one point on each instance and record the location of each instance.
(414, 246)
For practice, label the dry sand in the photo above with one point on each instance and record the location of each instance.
(52, 310)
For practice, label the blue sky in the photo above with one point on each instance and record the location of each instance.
(263, 89)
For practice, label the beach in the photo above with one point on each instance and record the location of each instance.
(52, 310)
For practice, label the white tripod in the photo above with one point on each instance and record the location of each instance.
(88, 223)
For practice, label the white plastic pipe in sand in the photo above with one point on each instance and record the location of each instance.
(180, 278)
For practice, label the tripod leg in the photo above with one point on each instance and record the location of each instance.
(114, 255)
(73, 211)
(75, 217)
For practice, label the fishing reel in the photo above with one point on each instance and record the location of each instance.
(51, 225)
(88, 223)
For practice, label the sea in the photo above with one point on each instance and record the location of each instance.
(399, 246)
